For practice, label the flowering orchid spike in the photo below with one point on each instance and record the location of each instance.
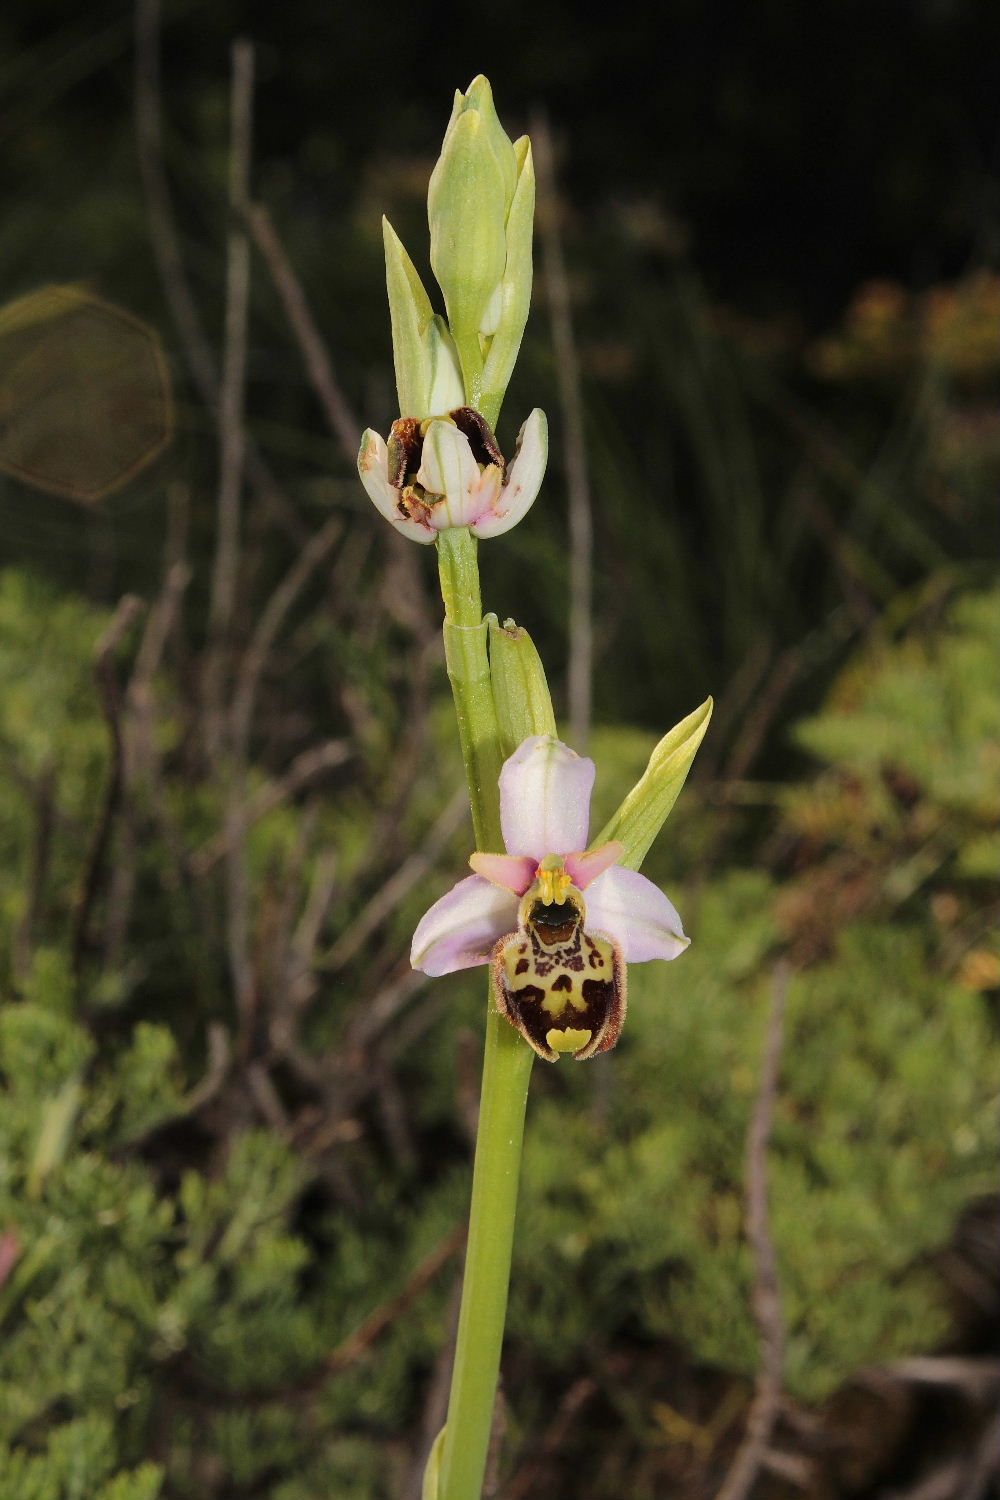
(448, 471)
(557, 921)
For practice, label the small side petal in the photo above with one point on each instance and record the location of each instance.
(512, 871)
(373, 470)
(545, 792)
(524, 478)
(636, 913)
(461, 930)
(583, 868)
(447, 468)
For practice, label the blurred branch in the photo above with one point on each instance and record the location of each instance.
(226, 564)
(342, 421)
(111, 702)
(166, 242)
(377, 1322)
(399, 885)
(232, 393)
(44, 798)
(581, 531)
(532, 1472)
(270, 622)
(165, 239)
(303, 769)
(766, 1293)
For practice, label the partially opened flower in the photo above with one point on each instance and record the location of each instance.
(558, 921)
(448, 471)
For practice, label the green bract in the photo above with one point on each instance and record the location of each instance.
(645, 809)
(520, 691)
(428, 378)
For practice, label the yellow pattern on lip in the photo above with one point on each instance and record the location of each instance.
(567, 1041)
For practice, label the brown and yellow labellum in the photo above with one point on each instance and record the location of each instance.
(561, 986)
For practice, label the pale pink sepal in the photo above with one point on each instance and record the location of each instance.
(514, 872)
(524, 479)
(373, 470)
(545, 792)
(636, 913)
(583, 868)
(461, 930)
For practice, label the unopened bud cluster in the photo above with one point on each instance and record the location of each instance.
(441, 466)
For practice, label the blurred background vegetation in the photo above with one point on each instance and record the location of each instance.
(234, 1127)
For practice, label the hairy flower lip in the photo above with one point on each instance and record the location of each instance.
(545, 793)
(430, 476)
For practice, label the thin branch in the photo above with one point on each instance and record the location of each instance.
(530, 1474)
(377, 1322)
(303, 769)
(341, 420)
(581, 530)
(45, 809)
(166, 241)
(267, 629)
(227, 545)
(767, 1292)
(111, 703)
(233, 388)
(398, 886)
(165, 238)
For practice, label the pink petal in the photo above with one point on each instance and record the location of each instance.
(373, 469)
(636, 913)
(447, 468)
(461, 930)
(524, 478)
(583, 868)
(515, 872)
(545, 792)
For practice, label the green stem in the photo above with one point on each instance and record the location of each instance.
(506, 1071)
(506, 1064)
(465, 638)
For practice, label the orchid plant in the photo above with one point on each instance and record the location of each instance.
(557, 916)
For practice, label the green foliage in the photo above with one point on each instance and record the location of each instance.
(886, 1117)
(156, 1276)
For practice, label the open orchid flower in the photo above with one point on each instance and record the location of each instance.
(559, 924)
(448, 471)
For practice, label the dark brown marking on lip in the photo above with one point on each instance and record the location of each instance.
(405, 446)
(482, 441)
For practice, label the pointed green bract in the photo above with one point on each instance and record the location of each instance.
(515, 288)
(428, 376)
(429, 1490)
(520, 691)
(647, 806)
(411, 313)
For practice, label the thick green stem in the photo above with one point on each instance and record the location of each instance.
(506, 1072)
(506, 1064)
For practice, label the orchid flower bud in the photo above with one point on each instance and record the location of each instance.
(480, 207)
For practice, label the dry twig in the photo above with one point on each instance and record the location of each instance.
(342, 421)
(766, 1293)
(111, 703)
